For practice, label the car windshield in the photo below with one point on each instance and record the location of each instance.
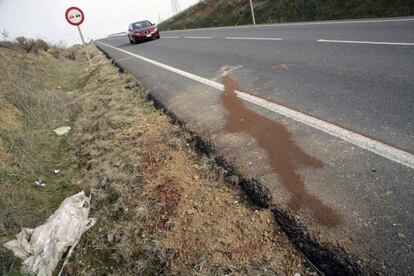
(140, 25)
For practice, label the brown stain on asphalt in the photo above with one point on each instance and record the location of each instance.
(282, 66)
(285, 156)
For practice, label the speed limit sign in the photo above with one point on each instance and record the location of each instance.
(74, 16)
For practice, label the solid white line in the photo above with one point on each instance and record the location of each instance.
(253, 38)
(198, 37)
(389, 152)
(300, 24)
(366, 42)
(170, 37)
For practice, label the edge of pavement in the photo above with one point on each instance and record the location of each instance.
(327, 258)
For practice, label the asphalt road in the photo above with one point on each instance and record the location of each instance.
(352, 81)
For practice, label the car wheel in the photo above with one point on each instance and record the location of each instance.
(132, 39)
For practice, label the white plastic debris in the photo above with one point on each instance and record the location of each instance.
(57, 171)
(40, 183)
(62, 130)
(43, 247)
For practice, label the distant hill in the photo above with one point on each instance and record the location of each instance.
(212, 13)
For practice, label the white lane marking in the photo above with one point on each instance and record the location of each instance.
(170, 37)
(199, 79)
(117, 34)
(389, 152)
(198, 37)
(299, 24)
(366, 42)
(253, 38)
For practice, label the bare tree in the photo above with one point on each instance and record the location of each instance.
(4, 34)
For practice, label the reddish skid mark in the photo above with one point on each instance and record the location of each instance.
(285, 156)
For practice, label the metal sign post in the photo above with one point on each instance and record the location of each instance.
(84, 45)
(252, 9)
(75, 17)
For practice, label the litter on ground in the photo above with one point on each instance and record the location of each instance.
(40, 183)
(42, 248)
(62, 130)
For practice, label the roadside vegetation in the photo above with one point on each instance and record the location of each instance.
(213, 13)
(161, 206)
(35, 85)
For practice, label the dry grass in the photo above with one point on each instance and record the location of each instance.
(161, 207)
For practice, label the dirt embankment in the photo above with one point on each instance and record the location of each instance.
(161, 207)
(34, 99)
(214, 13)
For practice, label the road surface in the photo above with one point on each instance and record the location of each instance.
(345, 92)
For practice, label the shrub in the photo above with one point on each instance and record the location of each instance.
(31, 46)
(40, 44)
(25, 43)
(7, 44)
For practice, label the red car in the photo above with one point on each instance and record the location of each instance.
(142, 30)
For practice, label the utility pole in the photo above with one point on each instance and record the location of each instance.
(175, 6)
(252, 8)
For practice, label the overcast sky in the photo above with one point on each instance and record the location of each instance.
(46, 18)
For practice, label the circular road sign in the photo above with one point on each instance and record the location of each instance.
(74, 16)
